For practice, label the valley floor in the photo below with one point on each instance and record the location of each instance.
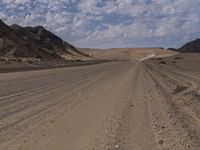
(127, 105)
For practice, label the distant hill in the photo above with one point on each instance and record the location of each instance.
(35, 43)
(172, 49)
(193, 46)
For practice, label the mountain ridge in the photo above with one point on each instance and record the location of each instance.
(35, 43)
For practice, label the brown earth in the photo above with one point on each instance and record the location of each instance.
(137, 104)
(126, 53)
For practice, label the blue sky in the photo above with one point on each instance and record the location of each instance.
(110, 23)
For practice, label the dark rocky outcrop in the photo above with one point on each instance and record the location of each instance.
(34, 42)
(193, 46)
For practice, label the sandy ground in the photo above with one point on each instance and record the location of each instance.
(127, 53)
(138, 104)
(12, 66)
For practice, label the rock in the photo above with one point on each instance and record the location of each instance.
(160, 142)
(116, 146)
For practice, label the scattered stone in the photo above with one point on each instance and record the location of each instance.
(169, 116)
(160, 142)
(172, 104)
(116, 146)
(188, 145)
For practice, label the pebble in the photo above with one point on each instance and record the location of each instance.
(116, 146)
(169, 116)
(161, 142)
(131, 105)
(188, 145)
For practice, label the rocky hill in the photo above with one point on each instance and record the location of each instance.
(193, 46)
(35, 43)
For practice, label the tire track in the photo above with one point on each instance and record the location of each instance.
(181, 118)
(45, 100)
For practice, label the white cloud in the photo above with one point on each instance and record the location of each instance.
(92, 22)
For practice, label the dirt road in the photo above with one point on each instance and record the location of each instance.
(127, 105)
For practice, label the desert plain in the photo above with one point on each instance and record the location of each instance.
(142, 99)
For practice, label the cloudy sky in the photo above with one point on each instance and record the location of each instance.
(110, 23)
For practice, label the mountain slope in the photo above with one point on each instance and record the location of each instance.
(35, 43)
(193, 46)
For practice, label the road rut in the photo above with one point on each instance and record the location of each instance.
(118, 105)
